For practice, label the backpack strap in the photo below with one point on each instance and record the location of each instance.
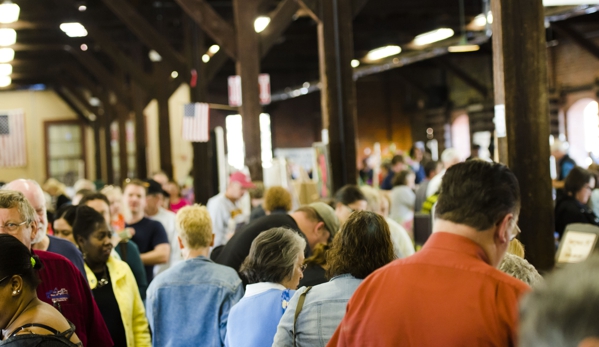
(298, 310)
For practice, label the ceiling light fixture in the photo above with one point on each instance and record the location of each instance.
(73, 29)
(84, 47)
(214, 49)
(9, 12)
(5, 81)
(383, 52)
(174, 74)
(205, 58)
(463, 48)
(154, 56)
(82, 8)
(261, 23)
(355, 63)
(5, 69)
(433, 36)
(7, 55)
(8, 37)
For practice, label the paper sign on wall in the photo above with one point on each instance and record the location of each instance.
(499, 121)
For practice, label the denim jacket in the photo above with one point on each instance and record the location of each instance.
(188, 304)
(324, 308)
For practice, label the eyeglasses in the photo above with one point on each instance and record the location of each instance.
(10, 227)
(516, 231)
(303, 267)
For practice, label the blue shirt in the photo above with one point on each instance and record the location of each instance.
(188, 304)
(324, 308)
(67, 250)
(253, 321)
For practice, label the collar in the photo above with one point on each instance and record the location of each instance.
(259, 288)
(338, 277)
(456, 243)
(116, 272)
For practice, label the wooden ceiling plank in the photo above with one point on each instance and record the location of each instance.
(212, 23)
(280, 19)
(146, 33)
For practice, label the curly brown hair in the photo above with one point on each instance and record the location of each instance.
(361, 246)
(277, 198)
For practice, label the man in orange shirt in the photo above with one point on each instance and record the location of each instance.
(450, 293)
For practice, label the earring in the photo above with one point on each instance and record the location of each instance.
(14, 292)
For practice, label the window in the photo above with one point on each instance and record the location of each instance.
(236, 147)
(65, 151)
(583, 131)
(460, 136)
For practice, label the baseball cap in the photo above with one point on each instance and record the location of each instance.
(327, 214)
(154, 187)
(241, 178)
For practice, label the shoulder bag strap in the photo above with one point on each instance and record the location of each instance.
(298, 309)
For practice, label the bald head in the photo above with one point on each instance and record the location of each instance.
(34, 194)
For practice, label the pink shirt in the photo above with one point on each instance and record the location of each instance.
(179, 205)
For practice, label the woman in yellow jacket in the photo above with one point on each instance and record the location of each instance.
(111, 281)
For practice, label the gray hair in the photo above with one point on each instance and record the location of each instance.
(521, 269)
(273, 256)
(14, 199)
(565, 310)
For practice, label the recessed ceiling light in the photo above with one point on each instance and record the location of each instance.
(73, 29)
(8, 37)
(9, 12)
(261, 23)
(174, 74)
(205, 58)
(154, 56)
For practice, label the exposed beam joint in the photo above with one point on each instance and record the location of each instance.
(462, 75)
(61, 94)
(146, 33)
(210, 21)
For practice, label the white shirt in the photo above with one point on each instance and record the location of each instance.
(258, 288)
(168, 220)
(402, 243)
(223, 212)
(435, 184)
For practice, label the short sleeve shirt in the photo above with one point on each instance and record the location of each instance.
(148, 234)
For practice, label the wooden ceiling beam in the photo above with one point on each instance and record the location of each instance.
(73, 106)
(77, 95)
(212, 23)
(146, 33)
(576, 36)
(280, 19)
(101, 74)
(312, 7)
(447, 64)
(37, 46)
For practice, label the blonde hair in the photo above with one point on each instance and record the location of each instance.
(110, 191)
(277, 198)
(54, 187)
(516, 248)
(194, 226)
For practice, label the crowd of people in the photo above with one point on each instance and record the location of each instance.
(141, 266)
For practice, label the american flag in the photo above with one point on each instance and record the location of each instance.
(13, 152)
(196, 122)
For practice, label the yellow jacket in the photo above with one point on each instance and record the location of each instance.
(127, 296)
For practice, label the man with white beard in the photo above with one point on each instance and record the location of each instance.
(44, 242)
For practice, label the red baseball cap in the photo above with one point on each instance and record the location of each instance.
(242, 178)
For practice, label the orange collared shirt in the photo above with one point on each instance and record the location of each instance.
(445, 295)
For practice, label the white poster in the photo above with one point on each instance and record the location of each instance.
(576, 247)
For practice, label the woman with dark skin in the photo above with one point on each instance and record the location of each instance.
(573, 207)
(24, 319)
(111, 280)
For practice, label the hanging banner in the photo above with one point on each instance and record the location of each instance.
(264, 82)
(235, 91)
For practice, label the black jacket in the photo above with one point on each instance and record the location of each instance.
(568, 210)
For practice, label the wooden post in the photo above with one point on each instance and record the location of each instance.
(520, 77)
(108, 116)
(123, 117)
(204, 189)
(164, 123)
(141, 164)
(248, 67)
(96, 125)
(338, 96)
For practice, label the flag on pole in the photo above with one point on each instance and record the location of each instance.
(12, 139)
(196, 122)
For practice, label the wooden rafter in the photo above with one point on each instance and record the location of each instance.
(577, 37)
(205, 16)
(280, 19)
(462, 75)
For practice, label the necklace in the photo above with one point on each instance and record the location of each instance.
(104, 280)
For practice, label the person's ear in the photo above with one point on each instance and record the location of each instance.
(589, 342)
(502, 231)
(80, 241)
(16, 285)
(212, 242)
(180, 242)
(34, 226)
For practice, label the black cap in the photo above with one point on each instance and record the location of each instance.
(155, 188)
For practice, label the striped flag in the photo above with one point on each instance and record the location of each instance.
(12, 139)
(196, 122)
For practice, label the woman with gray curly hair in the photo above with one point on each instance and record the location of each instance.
(273, 270)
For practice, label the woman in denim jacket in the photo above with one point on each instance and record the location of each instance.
(362, 245)
(273, 270)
